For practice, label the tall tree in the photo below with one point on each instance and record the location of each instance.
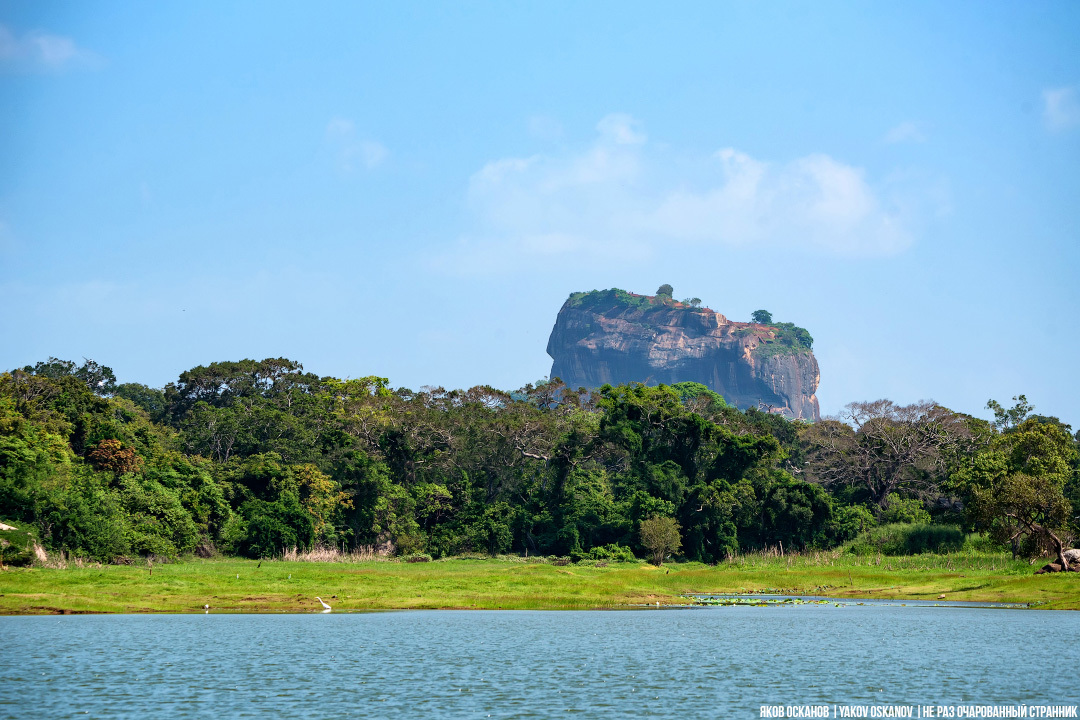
(1015, 489)
(1006, 419)
(99, 378)
(885, 448)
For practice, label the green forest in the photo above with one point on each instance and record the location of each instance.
(255, 458)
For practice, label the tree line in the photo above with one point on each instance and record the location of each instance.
(254, 457)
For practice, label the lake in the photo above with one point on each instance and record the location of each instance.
(705, 662)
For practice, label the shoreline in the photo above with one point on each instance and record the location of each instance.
(737, 601)
(231, 585)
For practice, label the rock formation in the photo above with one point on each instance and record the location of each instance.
(1072, 557)
(612, 336)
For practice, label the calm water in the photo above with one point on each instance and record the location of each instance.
(687, 663)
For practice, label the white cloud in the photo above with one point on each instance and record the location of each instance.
(41, 51)
(621, 129)
(1061, 108)
(813, 203)
(905, 132)
(610, 199)
(372, 153)
(350, 149)
(339, 127)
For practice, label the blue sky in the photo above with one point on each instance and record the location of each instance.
(411, 190)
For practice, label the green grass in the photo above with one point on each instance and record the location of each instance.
(278, 586)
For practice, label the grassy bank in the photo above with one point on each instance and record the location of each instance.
(281, 586)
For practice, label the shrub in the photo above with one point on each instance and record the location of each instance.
(151, 544)
(977, 542)
(16, 547)
(233, 533)
(904, 510)
(614, 552)
(908, 539)
(88, 522)
(409, 544)
(269, 528)
(934, 538)
(157, 521)
(418, 558)
(848, 522)
(660, 536)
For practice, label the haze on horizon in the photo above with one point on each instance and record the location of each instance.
(412, 191)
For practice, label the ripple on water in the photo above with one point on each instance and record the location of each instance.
(700, 662)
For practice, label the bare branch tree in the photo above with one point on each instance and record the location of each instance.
(885, 448)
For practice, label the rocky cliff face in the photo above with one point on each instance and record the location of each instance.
(616, 337)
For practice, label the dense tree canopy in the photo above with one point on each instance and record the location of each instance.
(257, 457)
(1016, 486)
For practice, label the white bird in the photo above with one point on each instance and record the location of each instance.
(207, 609)
(325, 606)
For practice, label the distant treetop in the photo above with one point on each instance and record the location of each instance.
(783, 337)
(787, 337)
(99, 378)
(613, 297)
(665, 289)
